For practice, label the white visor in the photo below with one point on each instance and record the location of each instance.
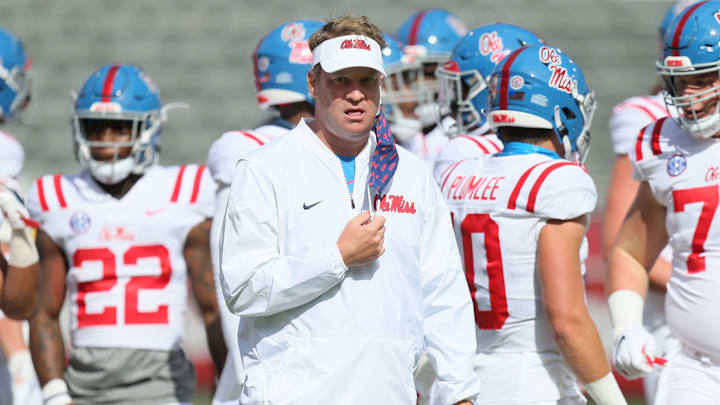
(348, 51)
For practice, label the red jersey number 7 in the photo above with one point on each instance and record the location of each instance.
(707, 195)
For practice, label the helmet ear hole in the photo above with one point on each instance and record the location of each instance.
(569, 114)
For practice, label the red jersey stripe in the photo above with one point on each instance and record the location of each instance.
(530, 207)
(253, 137)
(478, 143)
(512, 203)
(57, 181)
(638, 144)
(449, 172)
(656, 136)
(415, 27)
(178, 183)
(108, 84)
(41, 195)
(643, 109)
(681, 26)
(656, 103)
(196, 184)
(498, 146)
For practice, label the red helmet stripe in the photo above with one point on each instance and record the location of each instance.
(412, 39)
(504, 78)
(108, 85)
(681, 26)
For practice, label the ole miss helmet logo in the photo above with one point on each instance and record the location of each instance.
(355, 44)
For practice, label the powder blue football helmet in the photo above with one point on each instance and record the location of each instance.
(281, 62)
(15, 76)
(691, 48)
(463, 78)
(119, 92)
(541, 87)
(429, 37)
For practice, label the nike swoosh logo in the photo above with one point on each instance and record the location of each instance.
(154, 212)
(307, 207)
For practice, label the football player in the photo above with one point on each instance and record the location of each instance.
(280, 63)
(464, 90)
(627, 119)
(398, 99)
(523, 244)
(18, 281)
(675, 161)
(121, 238)
(429, 37)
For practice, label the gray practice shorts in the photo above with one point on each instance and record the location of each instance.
(129, 376)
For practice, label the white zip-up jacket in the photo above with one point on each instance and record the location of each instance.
(314, 331)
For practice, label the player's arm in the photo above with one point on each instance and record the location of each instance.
(563, 293)
(448, 314)
(20, 271)
(199, 265)
(641, 238)
(621, 192)
(638, 244)
(46, 342)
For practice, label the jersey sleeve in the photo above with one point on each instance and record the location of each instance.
(628, 118)
(225, 152)
(566, 192)
(12, 156)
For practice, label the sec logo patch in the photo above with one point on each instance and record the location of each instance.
(676, 165)
(80, 222)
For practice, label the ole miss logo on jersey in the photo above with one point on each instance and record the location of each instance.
(354, 44)
(393, 203)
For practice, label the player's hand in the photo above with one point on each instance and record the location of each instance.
(12, 207)
(634, 353)
(463, 403)
(362, 239)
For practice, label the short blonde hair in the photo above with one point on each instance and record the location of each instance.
(347, 25)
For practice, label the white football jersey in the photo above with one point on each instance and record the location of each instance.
(127, 276)
(465, 147)
(232, 145)
(632, 115)
(11, 155)
(684, 175)
(499, 204)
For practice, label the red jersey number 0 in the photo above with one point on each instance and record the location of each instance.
(498, 313)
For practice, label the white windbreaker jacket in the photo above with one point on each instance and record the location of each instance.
(314, 331)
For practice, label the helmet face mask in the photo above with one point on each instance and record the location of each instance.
(687, 106)
(458, 90)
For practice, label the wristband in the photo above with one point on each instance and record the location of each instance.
(55, 392)
(605, 391)
(626, 309)
(23, 252)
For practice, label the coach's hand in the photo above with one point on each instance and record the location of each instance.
(362, 239)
